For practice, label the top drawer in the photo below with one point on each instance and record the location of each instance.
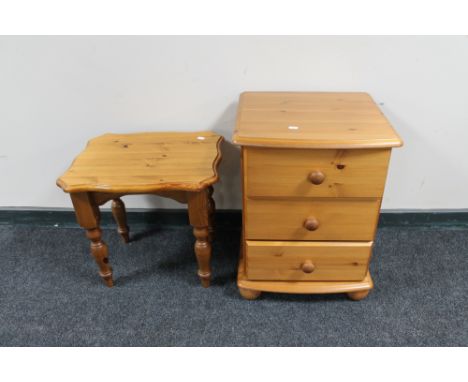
(315, 173)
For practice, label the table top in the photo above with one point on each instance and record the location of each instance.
(145, 162)
(312, 120)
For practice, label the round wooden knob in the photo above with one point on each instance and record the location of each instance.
(308, 266)
(316, 177)
(311, 224)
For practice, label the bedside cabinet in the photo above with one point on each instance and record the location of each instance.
(314, 167)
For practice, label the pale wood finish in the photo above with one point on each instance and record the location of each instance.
(307, 261)
(199, 215)
(301, 287)
(145, 163)
(249, 294)
(211, 212)
(307, 266)
(88, 216)
(180, 166)
(314, 167)
(120, 216)
(312, 120)
(287, 172)
(358, 296)
(338, 219)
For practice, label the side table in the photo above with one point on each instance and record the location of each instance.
(180, 166)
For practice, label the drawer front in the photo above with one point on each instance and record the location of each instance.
(311, 219)
(302, 261)
(319, 173)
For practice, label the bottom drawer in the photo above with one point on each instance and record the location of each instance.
(307, 261)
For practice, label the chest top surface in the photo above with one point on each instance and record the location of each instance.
(312, 120)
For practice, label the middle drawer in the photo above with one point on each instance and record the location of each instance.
(311, 219)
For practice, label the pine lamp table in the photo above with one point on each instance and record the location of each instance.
(314, 167)
(181, 166)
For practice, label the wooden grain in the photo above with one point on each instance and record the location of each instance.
(88, 216)
(307, 266)
(359, 295)
(313, 174)
(145, 163)
(249, 294)
(339, 219)
(307, 261)
(305, 287)
(286, 172)
(199, 206)
(120, 216)
(211, 212)
(180, 166)
(318, 120)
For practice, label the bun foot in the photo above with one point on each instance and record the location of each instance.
(249, 294)
(359, 295)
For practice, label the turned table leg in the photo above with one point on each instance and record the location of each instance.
(120, 217)
(88, 216)
(198, 206)
(211, 212)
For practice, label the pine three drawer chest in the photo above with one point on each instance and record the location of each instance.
(314, 167)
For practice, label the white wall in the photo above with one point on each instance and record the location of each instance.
(57, 92)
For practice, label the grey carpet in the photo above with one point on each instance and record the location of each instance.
(50, 294)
